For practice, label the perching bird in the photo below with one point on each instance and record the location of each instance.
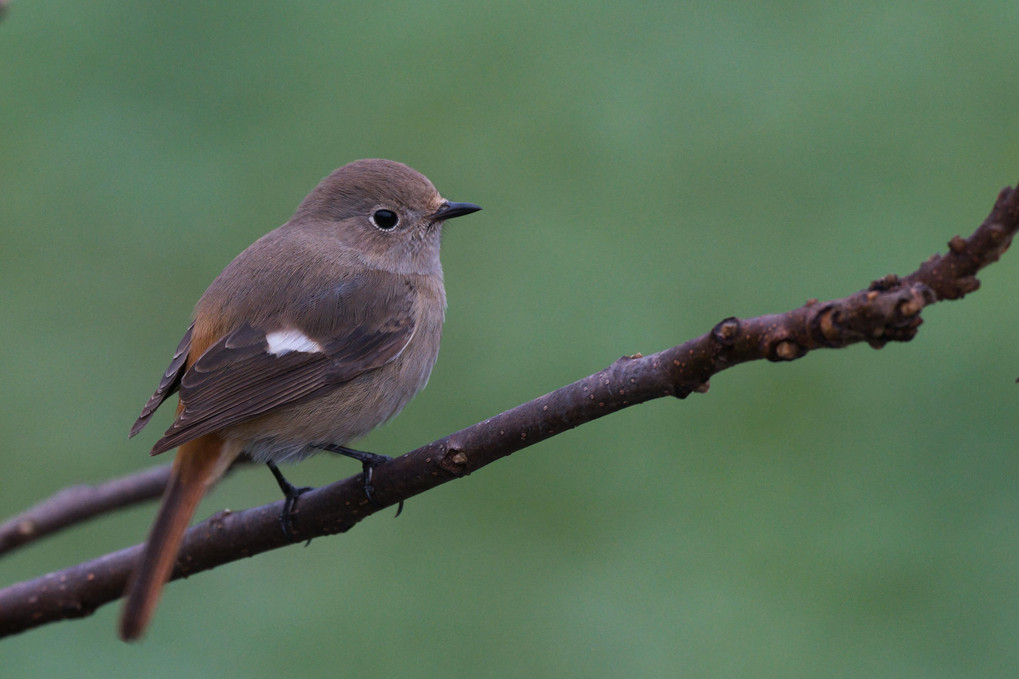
(314, 335)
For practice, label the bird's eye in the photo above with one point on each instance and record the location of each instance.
(385, 219)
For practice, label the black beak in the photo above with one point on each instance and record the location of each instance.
(450, 210)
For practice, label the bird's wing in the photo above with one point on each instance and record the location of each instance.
(170, 382)
(257, 367)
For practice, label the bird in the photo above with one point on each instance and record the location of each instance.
(315, 334)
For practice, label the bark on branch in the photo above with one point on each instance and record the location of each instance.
(75, 504)
(888, 310)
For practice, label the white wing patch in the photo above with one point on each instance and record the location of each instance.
(284, 341)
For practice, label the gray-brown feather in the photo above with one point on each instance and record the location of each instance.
(169, 384)
(360, 325)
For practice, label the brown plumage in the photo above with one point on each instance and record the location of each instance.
(314, 335)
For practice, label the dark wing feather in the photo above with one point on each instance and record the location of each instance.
(169, 384)
(237, 379)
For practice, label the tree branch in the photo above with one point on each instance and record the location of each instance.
(75, 504)
(889, 310)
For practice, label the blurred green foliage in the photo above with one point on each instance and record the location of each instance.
(646, 170)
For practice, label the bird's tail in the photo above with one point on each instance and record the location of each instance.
(198, 465)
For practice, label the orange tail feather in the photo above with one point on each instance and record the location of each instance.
(198, 465)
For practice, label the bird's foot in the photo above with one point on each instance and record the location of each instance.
(291, 494)
(368, 463)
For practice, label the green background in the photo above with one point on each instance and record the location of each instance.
(646, 170)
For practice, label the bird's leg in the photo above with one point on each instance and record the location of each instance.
(291, 493)
(368, 463)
